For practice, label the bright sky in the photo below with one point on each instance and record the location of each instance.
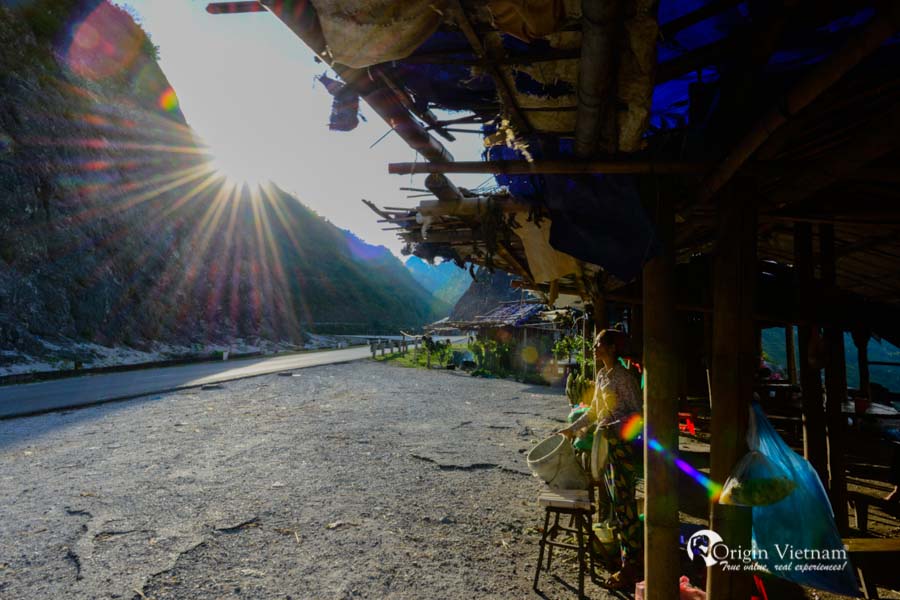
(246, 86)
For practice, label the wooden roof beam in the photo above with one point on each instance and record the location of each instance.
(558, 167)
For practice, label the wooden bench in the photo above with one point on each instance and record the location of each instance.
(861, 502)
(862, 551)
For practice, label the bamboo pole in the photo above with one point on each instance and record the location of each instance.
(862, 43)
(661, 527)
(595, 119)
(557, 167)
(734, 367)
(836, 387)
(814, 443)
(467, 207)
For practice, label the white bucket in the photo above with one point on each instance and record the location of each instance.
(553, 460)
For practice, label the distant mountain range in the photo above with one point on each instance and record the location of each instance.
(446, 281)
(116, 229)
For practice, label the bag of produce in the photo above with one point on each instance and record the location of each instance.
(756, 480)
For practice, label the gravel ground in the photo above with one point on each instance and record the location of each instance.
(361, 480)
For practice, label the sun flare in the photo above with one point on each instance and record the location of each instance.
(238, 168)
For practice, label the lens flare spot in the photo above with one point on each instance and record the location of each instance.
(530, 355)
(95, 120)
(104, 43)
(95, 144)
(97, 165)
(632, 428)
(168, 101)
(86, 36)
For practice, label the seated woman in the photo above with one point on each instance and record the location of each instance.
(617, 397)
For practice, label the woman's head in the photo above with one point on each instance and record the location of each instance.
(608, 345)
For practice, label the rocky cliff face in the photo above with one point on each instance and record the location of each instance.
(116, 229)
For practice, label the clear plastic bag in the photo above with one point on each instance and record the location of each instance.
(802, 520)
(756, 480)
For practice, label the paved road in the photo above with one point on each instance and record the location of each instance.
(79, 391)
(41, 397)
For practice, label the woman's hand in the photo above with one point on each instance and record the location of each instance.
(568, 432)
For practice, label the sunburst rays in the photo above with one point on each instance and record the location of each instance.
(213, 245)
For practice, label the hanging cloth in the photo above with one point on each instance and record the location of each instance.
(545, 263)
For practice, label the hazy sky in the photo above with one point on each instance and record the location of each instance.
(246, 86)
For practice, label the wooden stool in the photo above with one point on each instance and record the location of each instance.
(577, 504)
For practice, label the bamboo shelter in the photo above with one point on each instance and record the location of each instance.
(733, 161)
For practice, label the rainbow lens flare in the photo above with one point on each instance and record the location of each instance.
(632, 428)
(168, 101)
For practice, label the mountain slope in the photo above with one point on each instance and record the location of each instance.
(115, 228)
(484, 295)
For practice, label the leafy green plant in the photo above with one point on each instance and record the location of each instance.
(577, 347)
(491, 357)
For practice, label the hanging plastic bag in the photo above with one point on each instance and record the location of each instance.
(801, 522)
(756, 480)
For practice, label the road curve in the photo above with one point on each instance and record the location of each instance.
(32, 398)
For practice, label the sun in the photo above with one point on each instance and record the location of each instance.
(239, 166)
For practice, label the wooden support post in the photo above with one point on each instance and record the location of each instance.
(814, 443)
(836, 388)
(661, 528)
(861, 341)
(734, 368)
(791, 354)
